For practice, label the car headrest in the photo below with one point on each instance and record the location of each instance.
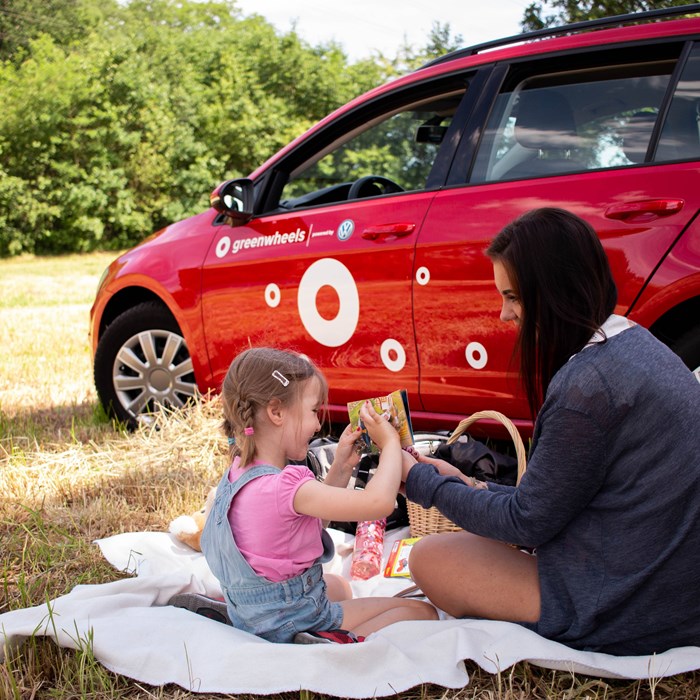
(545, 121)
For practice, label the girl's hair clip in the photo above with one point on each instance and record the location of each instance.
(232, 441)
(249, 431)
(280, 378)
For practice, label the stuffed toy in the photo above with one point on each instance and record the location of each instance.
(188, 528)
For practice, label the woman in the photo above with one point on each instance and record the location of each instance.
(610, 502)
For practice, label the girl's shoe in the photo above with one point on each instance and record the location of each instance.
(207, 607)
(328, 637)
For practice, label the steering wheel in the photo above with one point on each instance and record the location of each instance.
(360, 188)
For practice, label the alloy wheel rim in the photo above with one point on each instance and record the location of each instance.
(152, 369)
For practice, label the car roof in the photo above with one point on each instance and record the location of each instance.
(569, 29)
(609, 31)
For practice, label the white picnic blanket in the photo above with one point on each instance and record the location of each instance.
(135, 633)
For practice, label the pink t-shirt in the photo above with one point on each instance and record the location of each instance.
(274, 539)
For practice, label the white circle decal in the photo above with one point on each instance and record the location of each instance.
(476, 355)
(223, 246)
(393, 355)
(272, 295)
(423, 275)
(338, 330)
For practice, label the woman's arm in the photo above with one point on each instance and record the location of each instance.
(444, 468)
(566, 469)
(377, 499)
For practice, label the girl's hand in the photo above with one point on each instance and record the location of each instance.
(379, 428)
(344, 460)
(346, 456)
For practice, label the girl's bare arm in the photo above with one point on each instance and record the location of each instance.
(377, 500)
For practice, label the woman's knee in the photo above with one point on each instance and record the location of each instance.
(425, 555)
(433, 550)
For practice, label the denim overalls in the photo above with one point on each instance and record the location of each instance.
(273, 610)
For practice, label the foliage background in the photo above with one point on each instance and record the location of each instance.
(119, 118)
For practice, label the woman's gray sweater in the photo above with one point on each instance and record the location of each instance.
(610, 500)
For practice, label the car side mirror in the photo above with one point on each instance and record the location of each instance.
(234, 199)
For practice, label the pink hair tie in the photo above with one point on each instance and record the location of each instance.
(249, 431)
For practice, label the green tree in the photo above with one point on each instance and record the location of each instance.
(552, 13)
(65, 21)
(106, 139)
(120, 117)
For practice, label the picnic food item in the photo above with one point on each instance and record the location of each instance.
(369, 545)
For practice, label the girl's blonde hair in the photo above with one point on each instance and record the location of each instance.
(255, 378)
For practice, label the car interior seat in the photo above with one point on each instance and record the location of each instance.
(636, 134)
(680, 137)
(545, 125)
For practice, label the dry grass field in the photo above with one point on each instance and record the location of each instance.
(69, 476)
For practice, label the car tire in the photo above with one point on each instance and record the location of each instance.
(688, 347)
(141, 364)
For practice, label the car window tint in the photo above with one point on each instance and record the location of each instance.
(571, 122)
(400, 146)
(680, 136)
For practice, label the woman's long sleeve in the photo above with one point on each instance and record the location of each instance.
(566, 469)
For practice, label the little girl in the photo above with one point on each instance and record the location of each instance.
(263, 537)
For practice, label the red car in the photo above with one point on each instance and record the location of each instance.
(361, 242)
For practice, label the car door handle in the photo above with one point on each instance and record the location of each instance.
(384, 231)
(647, 209)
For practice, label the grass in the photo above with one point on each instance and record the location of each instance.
(68, 476)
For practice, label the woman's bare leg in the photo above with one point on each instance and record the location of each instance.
(366, 615)
(470, 576)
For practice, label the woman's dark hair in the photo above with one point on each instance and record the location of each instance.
(562, 277)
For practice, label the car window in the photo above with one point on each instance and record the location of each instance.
(398, 149)
(574, 121)
(680, 136)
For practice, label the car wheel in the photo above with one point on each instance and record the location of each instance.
(688, 347)
(142, 363)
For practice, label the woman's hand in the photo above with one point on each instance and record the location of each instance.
(413, 457)
(447, 469)
(443, 467)
(379, 428)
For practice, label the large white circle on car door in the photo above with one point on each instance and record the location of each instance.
(476, 355)
(335, 331)
(393, 355)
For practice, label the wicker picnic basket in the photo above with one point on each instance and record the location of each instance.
(430, 521)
